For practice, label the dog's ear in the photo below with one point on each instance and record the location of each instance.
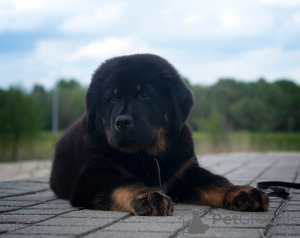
(91, 107)
(182, 102)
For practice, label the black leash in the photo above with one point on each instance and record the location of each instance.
(277, 187)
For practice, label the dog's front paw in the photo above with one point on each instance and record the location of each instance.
(152, 203)
(243, 198)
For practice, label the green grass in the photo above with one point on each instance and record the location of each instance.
(42, 148)
(246, 142)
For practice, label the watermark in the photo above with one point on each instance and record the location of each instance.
(252, 219)
(218, 220)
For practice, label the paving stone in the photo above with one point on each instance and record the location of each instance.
(3, 195)
(36, 198)
(53, 230)
(227, 232)
(295, 197)
(33, 198)
(68, 221)
(148, 227)
(8, 191)
(35, 211)
(26, 219)
(48, 205)
(43, 179)
(297, 203)
(35, 236)
(5, 209)
(287, 230)
(59, 201)
(275, 204)
(128, 234)
(284, 236)
(182, 206)
(6, 203)
(291, 207)
(95, 214)
(9, 227)
(218, 211)
(149, 219)
(23, 186)
(30, 211)
(289, 218)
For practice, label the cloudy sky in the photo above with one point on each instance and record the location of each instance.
(43, 40)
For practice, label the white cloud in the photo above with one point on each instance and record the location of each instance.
(75, 16)
(102, 16)
(210, 19)
(85, 33)
(110, 47)
(52, 59)
(281, 3)
(271, 63)
(229, 19)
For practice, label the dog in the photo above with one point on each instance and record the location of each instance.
(133, 151)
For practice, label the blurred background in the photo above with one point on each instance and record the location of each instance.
(240, 58)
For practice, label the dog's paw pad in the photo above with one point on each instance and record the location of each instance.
(243, 198)
(153, 203)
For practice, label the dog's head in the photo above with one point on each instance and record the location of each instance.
(136, 101)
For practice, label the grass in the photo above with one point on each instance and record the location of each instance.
(43, 147)
(246, 142)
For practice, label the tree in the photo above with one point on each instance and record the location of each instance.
(44, 103)
(251, 114)
(19, 119)
(71, 101)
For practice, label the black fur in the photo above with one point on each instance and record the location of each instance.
(136, 108)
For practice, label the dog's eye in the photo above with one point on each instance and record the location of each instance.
(114, 99)
(143, 96)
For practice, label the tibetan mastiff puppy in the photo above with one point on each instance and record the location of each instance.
(132, 150)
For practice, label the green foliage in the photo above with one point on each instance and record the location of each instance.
(19, 119)
(70, 98)
(71, 102)
(244, 141)
(256, 106)
(252, 114)
(219, 110)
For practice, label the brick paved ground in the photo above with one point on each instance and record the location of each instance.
(29, 209)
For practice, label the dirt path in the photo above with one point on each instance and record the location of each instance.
(22, 170)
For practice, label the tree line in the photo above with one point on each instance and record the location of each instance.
(228, 105)
(256, 106)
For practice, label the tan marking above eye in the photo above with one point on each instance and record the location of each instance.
(115, 91)
(138, 87)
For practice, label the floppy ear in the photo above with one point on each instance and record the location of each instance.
(91, 107)
(182, 103)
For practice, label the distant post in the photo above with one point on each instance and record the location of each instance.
(55, 108)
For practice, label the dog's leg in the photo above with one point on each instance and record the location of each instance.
(206, 188)
(141, 200)
(105, 191)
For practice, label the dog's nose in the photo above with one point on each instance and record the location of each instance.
(123, 122)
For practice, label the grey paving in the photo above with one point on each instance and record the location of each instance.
(28, 208)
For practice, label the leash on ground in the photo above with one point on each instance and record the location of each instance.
(278, 188)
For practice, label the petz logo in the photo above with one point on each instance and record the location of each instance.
(196, 226)
(251, 219)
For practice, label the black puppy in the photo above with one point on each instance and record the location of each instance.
(133, 151)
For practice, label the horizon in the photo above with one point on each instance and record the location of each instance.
(42, 41)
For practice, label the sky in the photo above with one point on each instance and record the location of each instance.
(44, 40)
